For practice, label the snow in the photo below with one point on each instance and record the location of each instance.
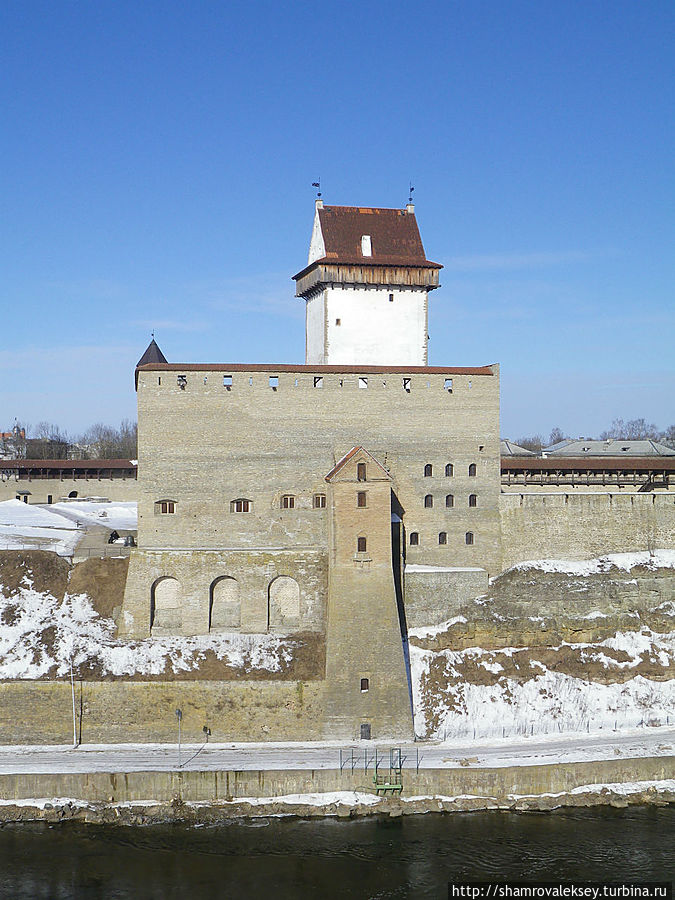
(82, 636)
(116, 516)
(552, 701)
(427, 631)
(656, 559)
(23, 526)
(419, 568)
(345, 798)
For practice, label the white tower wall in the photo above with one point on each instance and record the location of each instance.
(362, 326)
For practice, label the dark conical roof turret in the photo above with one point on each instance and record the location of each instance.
(152, 355)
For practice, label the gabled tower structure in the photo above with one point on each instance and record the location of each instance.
(366, 287)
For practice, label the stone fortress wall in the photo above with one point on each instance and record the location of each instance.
(275, 432)
(583, 526)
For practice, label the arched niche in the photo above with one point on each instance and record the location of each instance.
(166, 614)
(283, 604)
(224, 605)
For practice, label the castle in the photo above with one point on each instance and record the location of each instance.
(347, 499)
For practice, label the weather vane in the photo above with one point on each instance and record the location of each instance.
(317, 184)
(411, 192)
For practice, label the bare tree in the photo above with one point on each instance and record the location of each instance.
(535, 443)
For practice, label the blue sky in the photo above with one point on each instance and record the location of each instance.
(156, 169)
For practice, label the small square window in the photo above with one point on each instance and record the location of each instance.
(448, 385)
(365, 685)
(227, 382)
(319, 501)
(363, 382)
(288, 501)
(318, 381)
(338, 321)
(274, 382)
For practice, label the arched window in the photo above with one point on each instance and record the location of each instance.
(428, 501)
(472, 470)
(241, 505)
(283, 604)
(442, 537)
(449, 470)
(288, 501)
(449, 501)
(361, 472)
(414, 539)
(428, 470)
(165, 606)
(473, 500)
(468, 538)
(361, 498)
(165, 507)
(361, 544)
(224, 604)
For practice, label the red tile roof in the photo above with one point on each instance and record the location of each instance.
(394, 235)
(227, 368)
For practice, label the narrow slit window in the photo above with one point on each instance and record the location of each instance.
(442, 537)
(473, 500)
(428, 501)
(449, 501)
(361, 472)
(472, 470)
(468, 538)
(361, 499)
(361, 544)
(391, 298)
(365, 685)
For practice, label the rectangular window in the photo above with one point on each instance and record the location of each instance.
(406, 385)
(365, 685)
(319, 501)
(288, 501)
(361, 472)
(274, 382)
(361, 545)
(181, 380)
(338, 322)
(391, 298)
(318, 381)
(448, 385)
(361, 498)
(166, 507)
(363, 382)
(366, 245)
(365, 731)
(227, 382)
(240, 506)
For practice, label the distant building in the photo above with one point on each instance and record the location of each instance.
(610, 448)
(13, 443)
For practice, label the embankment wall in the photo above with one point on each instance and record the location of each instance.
(206, 786)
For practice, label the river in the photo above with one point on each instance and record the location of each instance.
(411, 856)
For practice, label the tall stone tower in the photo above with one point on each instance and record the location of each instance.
(366, 287)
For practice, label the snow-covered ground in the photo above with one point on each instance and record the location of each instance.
(78, 633)
(120, 516)
(636, 743)
(23, 526)
(655, 559)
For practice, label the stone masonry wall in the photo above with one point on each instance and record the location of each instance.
(583, 526)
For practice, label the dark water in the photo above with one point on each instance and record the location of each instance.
(414, 856)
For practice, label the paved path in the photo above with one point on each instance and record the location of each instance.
(326, 755)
